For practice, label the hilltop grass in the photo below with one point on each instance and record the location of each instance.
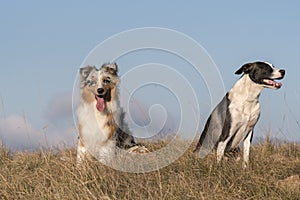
(54, 175)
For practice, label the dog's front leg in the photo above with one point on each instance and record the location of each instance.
(247, 143)
(81, 152)
(221, 149)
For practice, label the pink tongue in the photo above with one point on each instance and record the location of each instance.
(100, 104)
(274, 83)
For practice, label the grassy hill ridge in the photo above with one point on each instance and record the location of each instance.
(53, 175)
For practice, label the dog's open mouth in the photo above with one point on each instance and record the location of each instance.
(272, 83)
(100, 102)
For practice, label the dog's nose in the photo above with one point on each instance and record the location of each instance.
(282, 72)
(100, 90)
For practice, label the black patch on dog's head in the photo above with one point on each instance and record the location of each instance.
(246, 68)
(258, 71)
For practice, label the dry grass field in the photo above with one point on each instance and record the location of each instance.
(273, 174)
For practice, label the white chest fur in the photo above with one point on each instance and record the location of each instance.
(94, 131)
(244, 108)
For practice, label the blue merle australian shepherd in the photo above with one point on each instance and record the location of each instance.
(100, 118)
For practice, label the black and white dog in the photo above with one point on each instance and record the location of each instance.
(233, 119)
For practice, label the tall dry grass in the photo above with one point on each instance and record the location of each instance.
(54, 175)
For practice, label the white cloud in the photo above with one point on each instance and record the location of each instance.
(17, 132)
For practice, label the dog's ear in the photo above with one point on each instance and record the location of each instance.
(85, 71)
(111, 68)
(246, 68)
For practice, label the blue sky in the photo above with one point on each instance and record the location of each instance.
(44, 43)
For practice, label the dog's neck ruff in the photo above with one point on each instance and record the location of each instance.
(245, 89)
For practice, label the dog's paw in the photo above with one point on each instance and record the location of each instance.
(138, 149)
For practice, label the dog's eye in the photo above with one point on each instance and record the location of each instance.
(106, 81)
